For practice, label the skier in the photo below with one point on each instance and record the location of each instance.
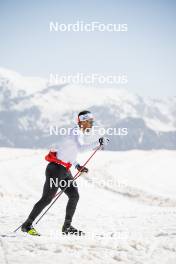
(60, 161)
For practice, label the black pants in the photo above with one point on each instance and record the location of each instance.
(56, 174)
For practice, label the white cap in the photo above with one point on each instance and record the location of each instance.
(85, 117)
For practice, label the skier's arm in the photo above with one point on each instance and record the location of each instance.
(88, 146)
(92, 145)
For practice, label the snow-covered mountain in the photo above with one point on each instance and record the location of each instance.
(26, 113)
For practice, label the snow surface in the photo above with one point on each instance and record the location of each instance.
(127, 196)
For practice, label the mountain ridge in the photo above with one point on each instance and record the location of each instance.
(150, 122)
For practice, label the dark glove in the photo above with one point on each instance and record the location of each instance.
(103, 141)
(81, 168)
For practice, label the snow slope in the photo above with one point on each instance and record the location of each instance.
(54, 101)
(17, 82)
(29, 106)
(157, 114)
(137, 207)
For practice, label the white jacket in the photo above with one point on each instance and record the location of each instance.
(74, 143)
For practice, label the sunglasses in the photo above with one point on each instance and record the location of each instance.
(90, 121)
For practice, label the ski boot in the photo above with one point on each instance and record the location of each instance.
(29, 229)
(70, 230)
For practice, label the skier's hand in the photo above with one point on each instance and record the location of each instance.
(103, 141)
(81, 168)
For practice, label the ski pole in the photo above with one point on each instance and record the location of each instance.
(78, 174)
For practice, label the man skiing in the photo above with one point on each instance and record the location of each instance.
(60, 161)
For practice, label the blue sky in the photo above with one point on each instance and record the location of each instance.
(146, 52)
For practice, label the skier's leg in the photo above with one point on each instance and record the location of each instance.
(47, 196)
(53, 171)
(73, 197)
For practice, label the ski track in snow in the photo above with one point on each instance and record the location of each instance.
(140, 214)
